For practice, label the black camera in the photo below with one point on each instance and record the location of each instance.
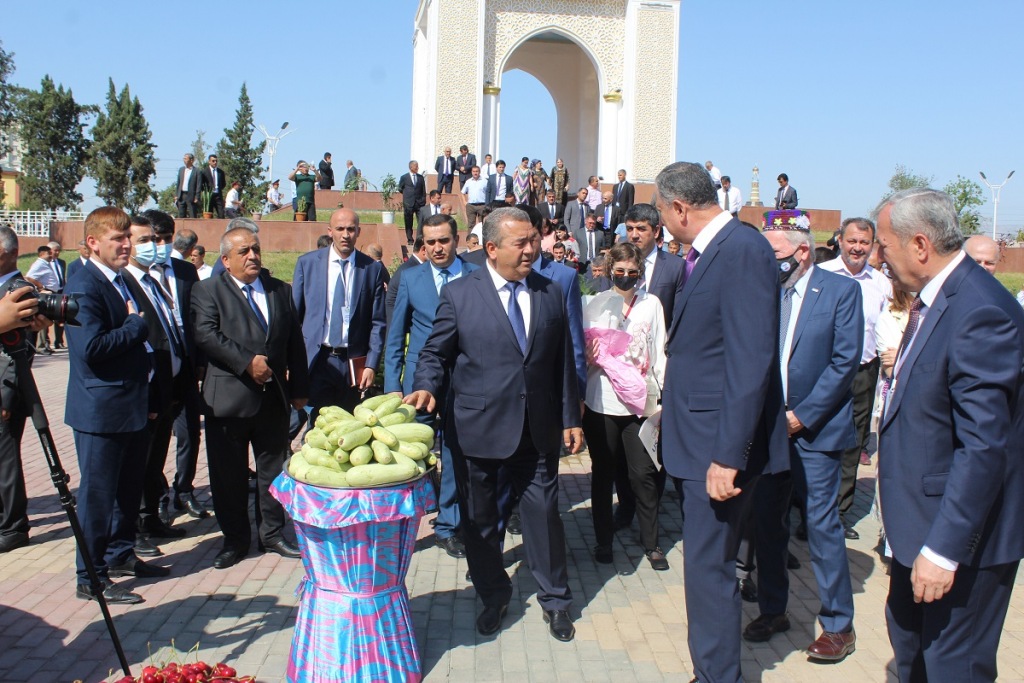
(60, 308)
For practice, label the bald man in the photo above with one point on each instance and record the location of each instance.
(984, 250)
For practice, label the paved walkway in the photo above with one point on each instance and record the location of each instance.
(630, 620)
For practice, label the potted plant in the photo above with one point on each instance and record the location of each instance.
(388, 190)
(300, 209)
(205, 197)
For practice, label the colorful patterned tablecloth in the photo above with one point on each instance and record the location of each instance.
(354, 622)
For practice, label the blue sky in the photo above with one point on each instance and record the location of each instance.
(834, 94)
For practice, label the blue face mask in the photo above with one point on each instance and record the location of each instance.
(145, 253)
(163, 252)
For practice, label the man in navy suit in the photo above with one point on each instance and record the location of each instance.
(83, 257)
(107, 406)
(723, 423)
(414, 196)
(213, 181)
(624, 193)
(501, 334)
(499, 184)
(415, 305)
(339, 296)
(951, 479)
(822, 332)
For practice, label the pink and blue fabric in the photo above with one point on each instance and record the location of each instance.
(354, 622)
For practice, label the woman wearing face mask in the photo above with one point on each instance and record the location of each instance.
(625, 333)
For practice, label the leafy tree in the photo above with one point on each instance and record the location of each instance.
(199, 148)
(966, 195)
(904, 179)
(240, 159)
(7, 112)
(55, 146)
(121, 157)
(166, 198)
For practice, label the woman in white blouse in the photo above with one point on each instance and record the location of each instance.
(626, 369)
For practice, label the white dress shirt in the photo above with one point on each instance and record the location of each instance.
(42, 272)
(522, 296)
(876, 291)
(709, 232)
(259, 295)
(650, 261)
(185, 177)
(735, 199)
(204, 271)
(487, 170)
(333, 272)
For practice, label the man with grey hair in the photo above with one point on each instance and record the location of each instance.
(240, 222)
(951, 479)
(856, 235)
(61, 270)
(185, 241)
(722, 424)
(187, 196)
(984, 250)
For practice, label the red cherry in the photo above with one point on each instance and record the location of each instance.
(174, 677)
(224, 671)
(190, 678)
(205, 667)
(155, 677)
(201, 678)
(150, 670)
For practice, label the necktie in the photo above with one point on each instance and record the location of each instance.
(590, 245)
(60, 278)
(691, 261)
(445, 276)
(785, 311)
(338, 307)
(447, 171)
(248, 289)
(608, 218)
(162, 312)
(621, 185)
(413, 176)
(551, 209)
(213, 172)
(726, 193)
(908, 333)
(515, 315)
(119, 283)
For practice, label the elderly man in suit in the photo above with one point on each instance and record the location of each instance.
(552, 209)
(415, 306)
(339, 296)
(501, 335)
(213, 181)
(107, 407)
(187, 197)
(414, 196)
(723, 424)
(445, 169)
(247, 326)
(821, 331)
(951, 479)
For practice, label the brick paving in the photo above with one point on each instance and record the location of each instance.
(630, 620)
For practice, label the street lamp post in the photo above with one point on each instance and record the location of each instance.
(272, 141)
(995, 198)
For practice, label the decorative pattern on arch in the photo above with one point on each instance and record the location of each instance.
(503, 59)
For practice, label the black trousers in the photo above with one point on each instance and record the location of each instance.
(186, 208)
(863, 401)
(187, 434)
(329, 383)
(154, 484)
(533, 478)
(444, 183)
(410, 220)
(227, 449)
(217, 204)
(13, 498)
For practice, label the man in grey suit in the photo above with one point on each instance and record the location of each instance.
(576, 212)
(785, 198)
(187, 197)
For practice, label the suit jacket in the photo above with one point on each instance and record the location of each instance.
(600, 242)
(366, 327)
(623, 196)
(424, 213)
(567, 278)
(825, 354)
(161, 386)
(952, 432)
(185, 276)
(785, 198)
(108, 382)
(206, 180)
(326, 175)
(194, 182)
(415, 306)
(668, 276)
(494, 385)
(413, 196)
(396, 280)
(616, 217)
(350, 179)
(478, 258)
(468, 165)
(721, 401)
(575, 216)
(228, 332)
(545, 210)
(439, 167)
(73, 268)
(492, 187)
(63, 269)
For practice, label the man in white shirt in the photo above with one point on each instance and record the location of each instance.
(716, 175)
(594, 197)
(198, 260)
(42, 275)
(856, 235)
(488, 168)
(274, 197)
(233, 201)
(729, 197)
(474, 191)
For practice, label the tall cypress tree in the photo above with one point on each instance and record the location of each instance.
(240, 159)
(121, 158)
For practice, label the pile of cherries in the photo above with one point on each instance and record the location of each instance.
(199, 672)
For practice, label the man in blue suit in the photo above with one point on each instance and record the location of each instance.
(951, 479)
(821, 337)
(339, 296)
(501, 335)
(108, 392)
(413, 318)
(499, 184)
(722, 422)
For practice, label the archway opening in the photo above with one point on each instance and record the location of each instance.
(529, 120)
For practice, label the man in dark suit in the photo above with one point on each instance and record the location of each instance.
(822, 332)
(663, 273)
(414, 196)
(107, 407)
(723, 424)
(499, 184)
(445, 169)
(466, 162)
(432, 208)
(576, 212)
(187, 196)
(417, 257)
(214, 182)
(326, 172)
(83, 258)
(415, 306)
(624, 193)
(339, 297)
(785, 198)
(591, 240)
(951, 480)
(246, 325)
(501, 334)
(552, 210)
(608, 216)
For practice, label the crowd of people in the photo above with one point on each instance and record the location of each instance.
(747, 370)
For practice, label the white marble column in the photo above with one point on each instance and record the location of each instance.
(490, 120)
(608, 143)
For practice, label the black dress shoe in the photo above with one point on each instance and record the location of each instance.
(603, 554)
(139, 569)
(112, 594)
(515, 524)
(282, 548)
(188, 502)
(850, 533)
(158, 528)
(489, 620)
(748, 590)
(13, 541)
(791, 561)
(657, 559)
(163, 511)
(452, 545)
(560, 624)
(227, 558)
(760, 630)
(145, 548)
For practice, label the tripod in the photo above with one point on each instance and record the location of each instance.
(14, 346)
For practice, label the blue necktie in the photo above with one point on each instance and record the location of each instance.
(160, 304)
(337, 309)
(119, 283)
(515, 315)
(445, 276)
(785, 313)
(255, 309)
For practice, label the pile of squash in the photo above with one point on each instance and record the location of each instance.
(377, 444)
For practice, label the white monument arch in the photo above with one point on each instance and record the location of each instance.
(609, 65)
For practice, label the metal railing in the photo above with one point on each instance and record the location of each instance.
(36, 223)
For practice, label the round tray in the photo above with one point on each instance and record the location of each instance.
(352, 488)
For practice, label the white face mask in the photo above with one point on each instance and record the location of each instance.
(163, 252)
(145, 254)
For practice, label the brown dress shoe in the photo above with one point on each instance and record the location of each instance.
(832, 647)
